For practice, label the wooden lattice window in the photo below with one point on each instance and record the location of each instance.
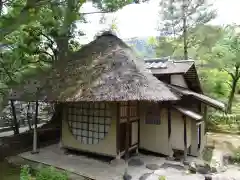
(89, 122)
(152, 114)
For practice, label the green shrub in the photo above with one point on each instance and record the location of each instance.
(224, 118)
(236, 157)
(51, 174)
(161, 178)
(43, 174)
(221, 122)
(25, 173)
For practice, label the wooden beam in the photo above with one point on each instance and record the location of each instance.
(138, 114)
(199, 136)
(205, 117)
(185, 137)
(169, 122)
(127, 133)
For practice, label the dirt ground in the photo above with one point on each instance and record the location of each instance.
(225, 142)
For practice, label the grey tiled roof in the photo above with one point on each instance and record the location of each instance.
(165, 66)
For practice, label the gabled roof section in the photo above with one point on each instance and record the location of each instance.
(189, 113)
(105, 70)
(203, 98)
(165, 66)
(160, 66)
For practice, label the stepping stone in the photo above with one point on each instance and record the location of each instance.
(207, 177)
(203, 170)
(126, 176)
(145, 176)
(135, 162)
(116, 162)
(152, 167)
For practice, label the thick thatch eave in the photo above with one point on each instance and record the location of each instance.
(106, 70)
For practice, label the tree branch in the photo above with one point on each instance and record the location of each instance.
(45, 52)
(229, 73)
(6, 71)
(47, 37)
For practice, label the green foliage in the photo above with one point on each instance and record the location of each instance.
(226, 56)
(49, 173)
(162, 178)
(111, 5)
(214, 82)
(25, 173)
(226, 123)
(236, 156)
(37, 33)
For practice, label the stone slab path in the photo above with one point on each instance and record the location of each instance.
(100, 170)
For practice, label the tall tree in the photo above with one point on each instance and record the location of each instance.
(179, 16)
(226, 56)
(35, 34)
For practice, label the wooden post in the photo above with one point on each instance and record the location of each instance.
(138, 114)
(185, 138)
(127, 133)
(118, 130)
(169, 131)
(35, 150)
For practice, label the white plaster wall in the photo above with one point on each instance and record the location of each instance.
(204, 138)
(154, 137)
(178, 80)
(177, 135)
(107, 146)
(134, 133)
(195, 151)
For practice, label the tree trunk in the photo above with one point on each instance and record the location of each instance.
(185, 45)
(231, 95)
(235, 77)
(57, 114)
(14, 120)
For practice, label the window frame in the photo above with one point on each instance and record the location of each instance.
(85, 119)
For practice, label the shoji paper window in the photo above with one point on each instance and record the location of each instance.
(88, 121)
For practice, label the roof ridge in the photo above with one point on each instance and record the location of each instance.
(182, 61)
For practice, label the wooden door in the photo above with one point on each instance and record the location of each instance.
(128, 120)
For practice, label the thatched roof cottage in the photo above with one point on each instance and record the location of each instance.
(112, 103)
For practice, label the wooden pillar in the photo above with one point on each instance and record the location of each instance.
(118, 130)
(35, 151)
(170, 153)
(138, 114)
(127, 133)
(185, 137)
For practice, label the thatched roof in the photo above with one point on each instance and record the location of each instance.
(105, 70)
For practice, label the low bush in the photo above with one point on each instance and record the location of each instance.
(236, 157)
(220, 122)
(43, 174)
